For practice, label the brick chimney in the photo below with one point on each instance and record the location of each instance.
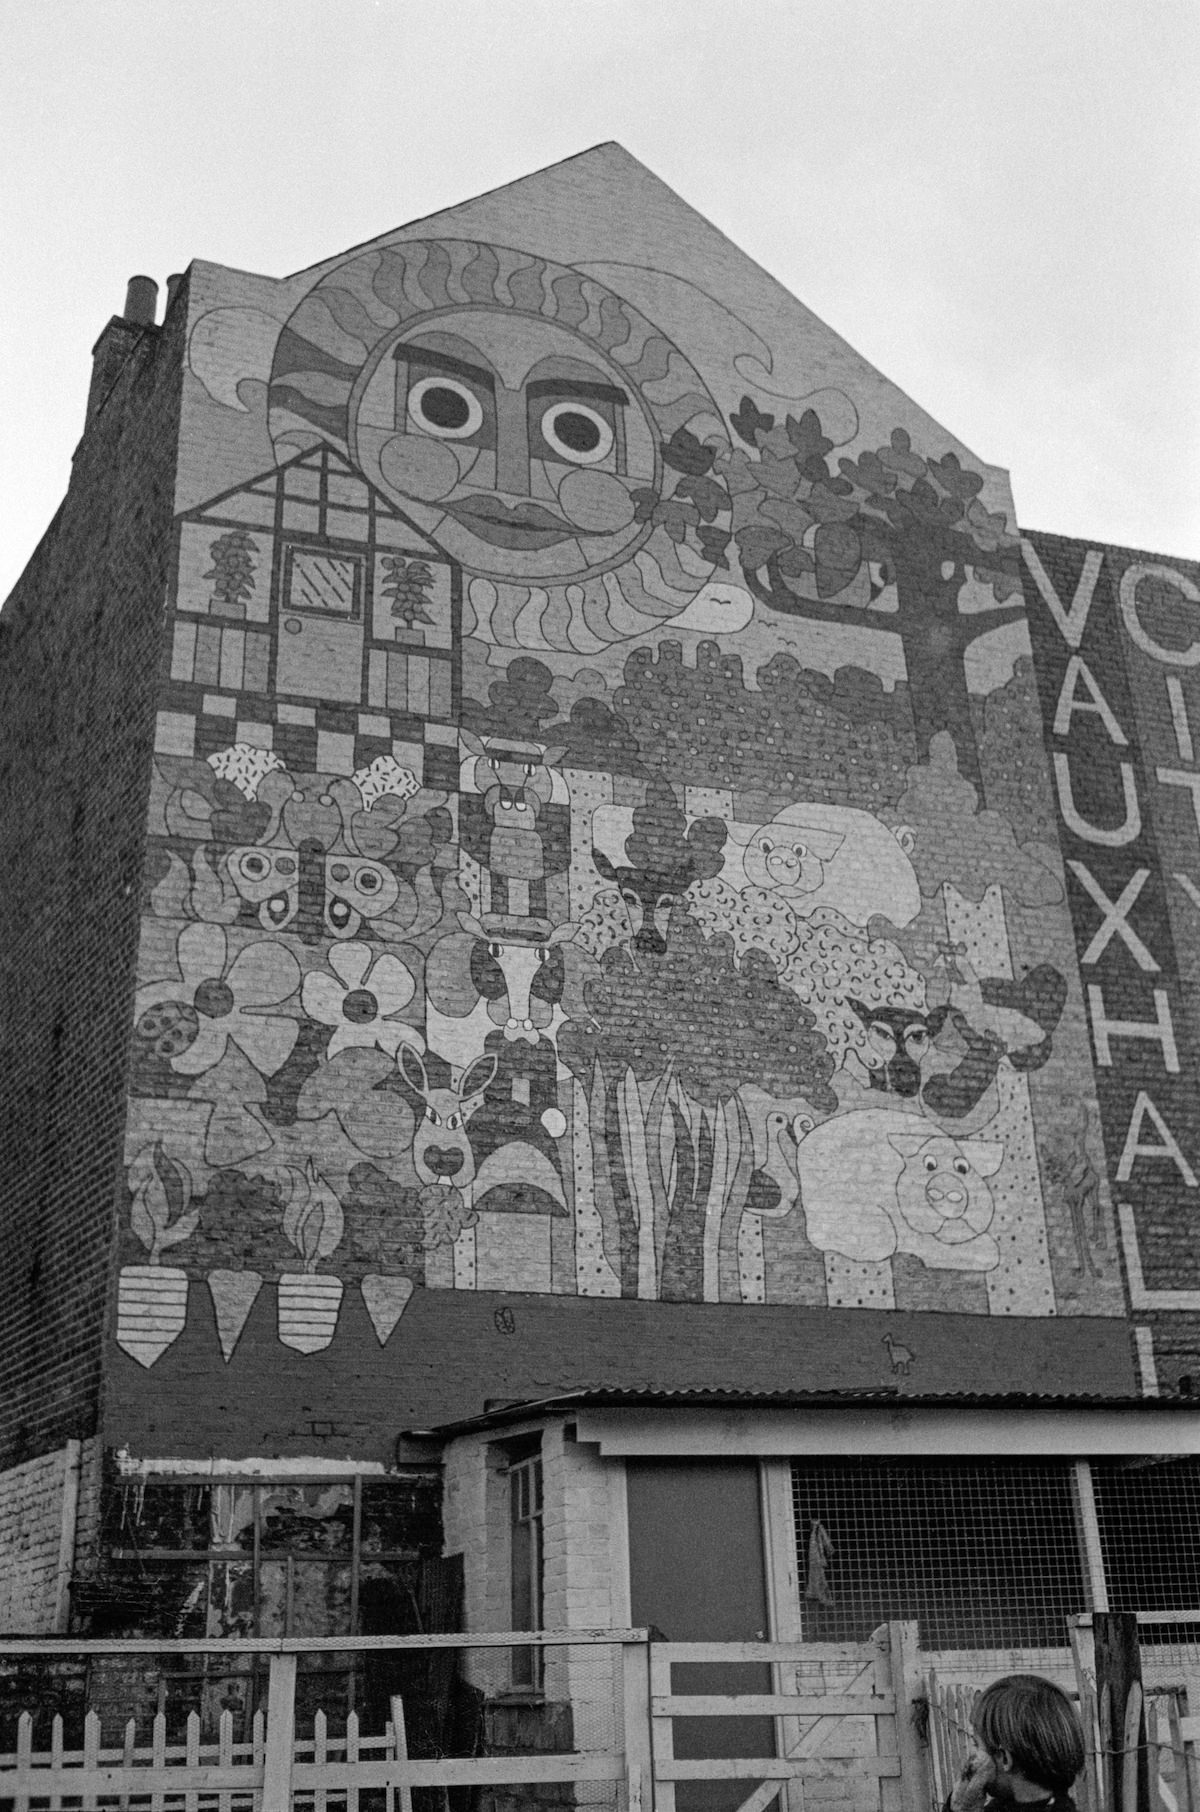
(119, 338)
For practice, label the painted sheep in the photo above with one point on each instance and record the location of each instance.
(815, 855)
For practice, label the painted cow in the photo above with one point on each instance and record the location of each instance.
(476, 983)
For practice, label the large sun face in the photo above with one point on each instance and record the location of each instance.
(514, 409)
(515, 442)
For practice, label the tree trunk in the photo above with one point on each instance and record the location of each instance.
(931, 630)
(627, 1227)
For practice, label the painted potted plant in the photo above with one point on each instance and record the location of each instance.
(408, 584)
(152, 1298)
(313, 1223)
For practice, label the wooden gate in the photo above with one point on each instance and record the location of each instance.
(841, 1715)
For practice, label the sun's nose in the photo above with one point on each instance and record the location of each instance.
(512, 443)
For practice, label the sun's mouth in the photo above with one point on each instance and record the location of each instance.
(521, 525)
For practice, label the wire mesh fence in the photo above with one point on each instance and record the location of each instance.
(984, 1555)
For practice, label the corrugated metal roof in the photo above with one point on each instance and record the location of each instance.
(652, 1397)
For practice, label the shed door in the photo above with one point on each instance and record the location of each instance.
(697, 1573)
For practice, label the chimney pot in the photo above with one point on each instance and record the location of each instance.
(141, 301)
(173, 282)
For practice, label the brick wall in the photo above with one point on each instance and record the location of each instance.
(37, 1515)
(579, 1588)
(78, 646)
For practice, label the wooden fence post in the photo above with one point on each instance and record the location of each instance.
(908, 1684)
(400, 1749)
(1119, 1688)
(281, 1734)
(1083, 1658)
(635, 1680)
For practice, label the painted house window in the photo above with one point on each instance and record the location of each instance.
(325, 583)
(526, 1559)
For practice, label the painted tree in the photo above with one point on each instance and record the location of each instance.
(823, 545)
(670, 1040)
(918, 521)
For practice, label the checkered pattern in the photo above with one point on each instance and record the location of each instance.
(318, 738)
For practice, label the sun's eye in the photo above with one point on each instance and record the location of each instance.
(443, 406)
(576, 432)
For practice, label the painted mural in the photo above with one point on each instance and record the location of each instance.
(602, 841)
(1115, 635)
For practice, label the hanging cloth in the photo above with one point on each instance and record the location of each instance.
(820, 1553)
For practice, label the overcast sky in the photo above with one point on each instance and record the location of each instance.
(997, 204)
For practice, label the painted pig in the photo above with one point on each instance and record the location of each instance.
(878, 1181)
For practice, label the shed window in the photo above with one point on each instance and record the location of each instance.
(525, 1560)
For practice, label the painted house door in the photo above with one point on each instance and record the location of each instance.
(319, 625)
(697, 1573)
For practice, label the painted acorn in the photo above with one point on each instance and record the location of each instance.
(152, 1298)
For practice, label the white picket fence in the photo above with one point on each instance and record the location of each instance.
(275, 1770)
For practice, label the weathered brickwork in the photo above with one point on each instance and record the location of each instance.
(580, 1587)
(78, 647)
(38, 1526)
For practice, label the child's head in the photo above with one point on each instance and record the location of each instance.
(1036, 1724)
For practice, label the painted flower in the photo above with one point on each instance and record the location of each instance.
(190, 1021)
(359, 1004)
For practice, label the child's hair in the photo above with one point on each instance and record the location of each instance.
(1037, 1724)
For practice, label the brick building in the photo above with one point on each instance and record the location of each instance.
(600, 975)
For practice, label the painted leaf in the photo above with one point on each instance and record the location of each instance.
(806, 435)
(748, 419)
(757, 543)
(684, 453)
(313, 1220)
